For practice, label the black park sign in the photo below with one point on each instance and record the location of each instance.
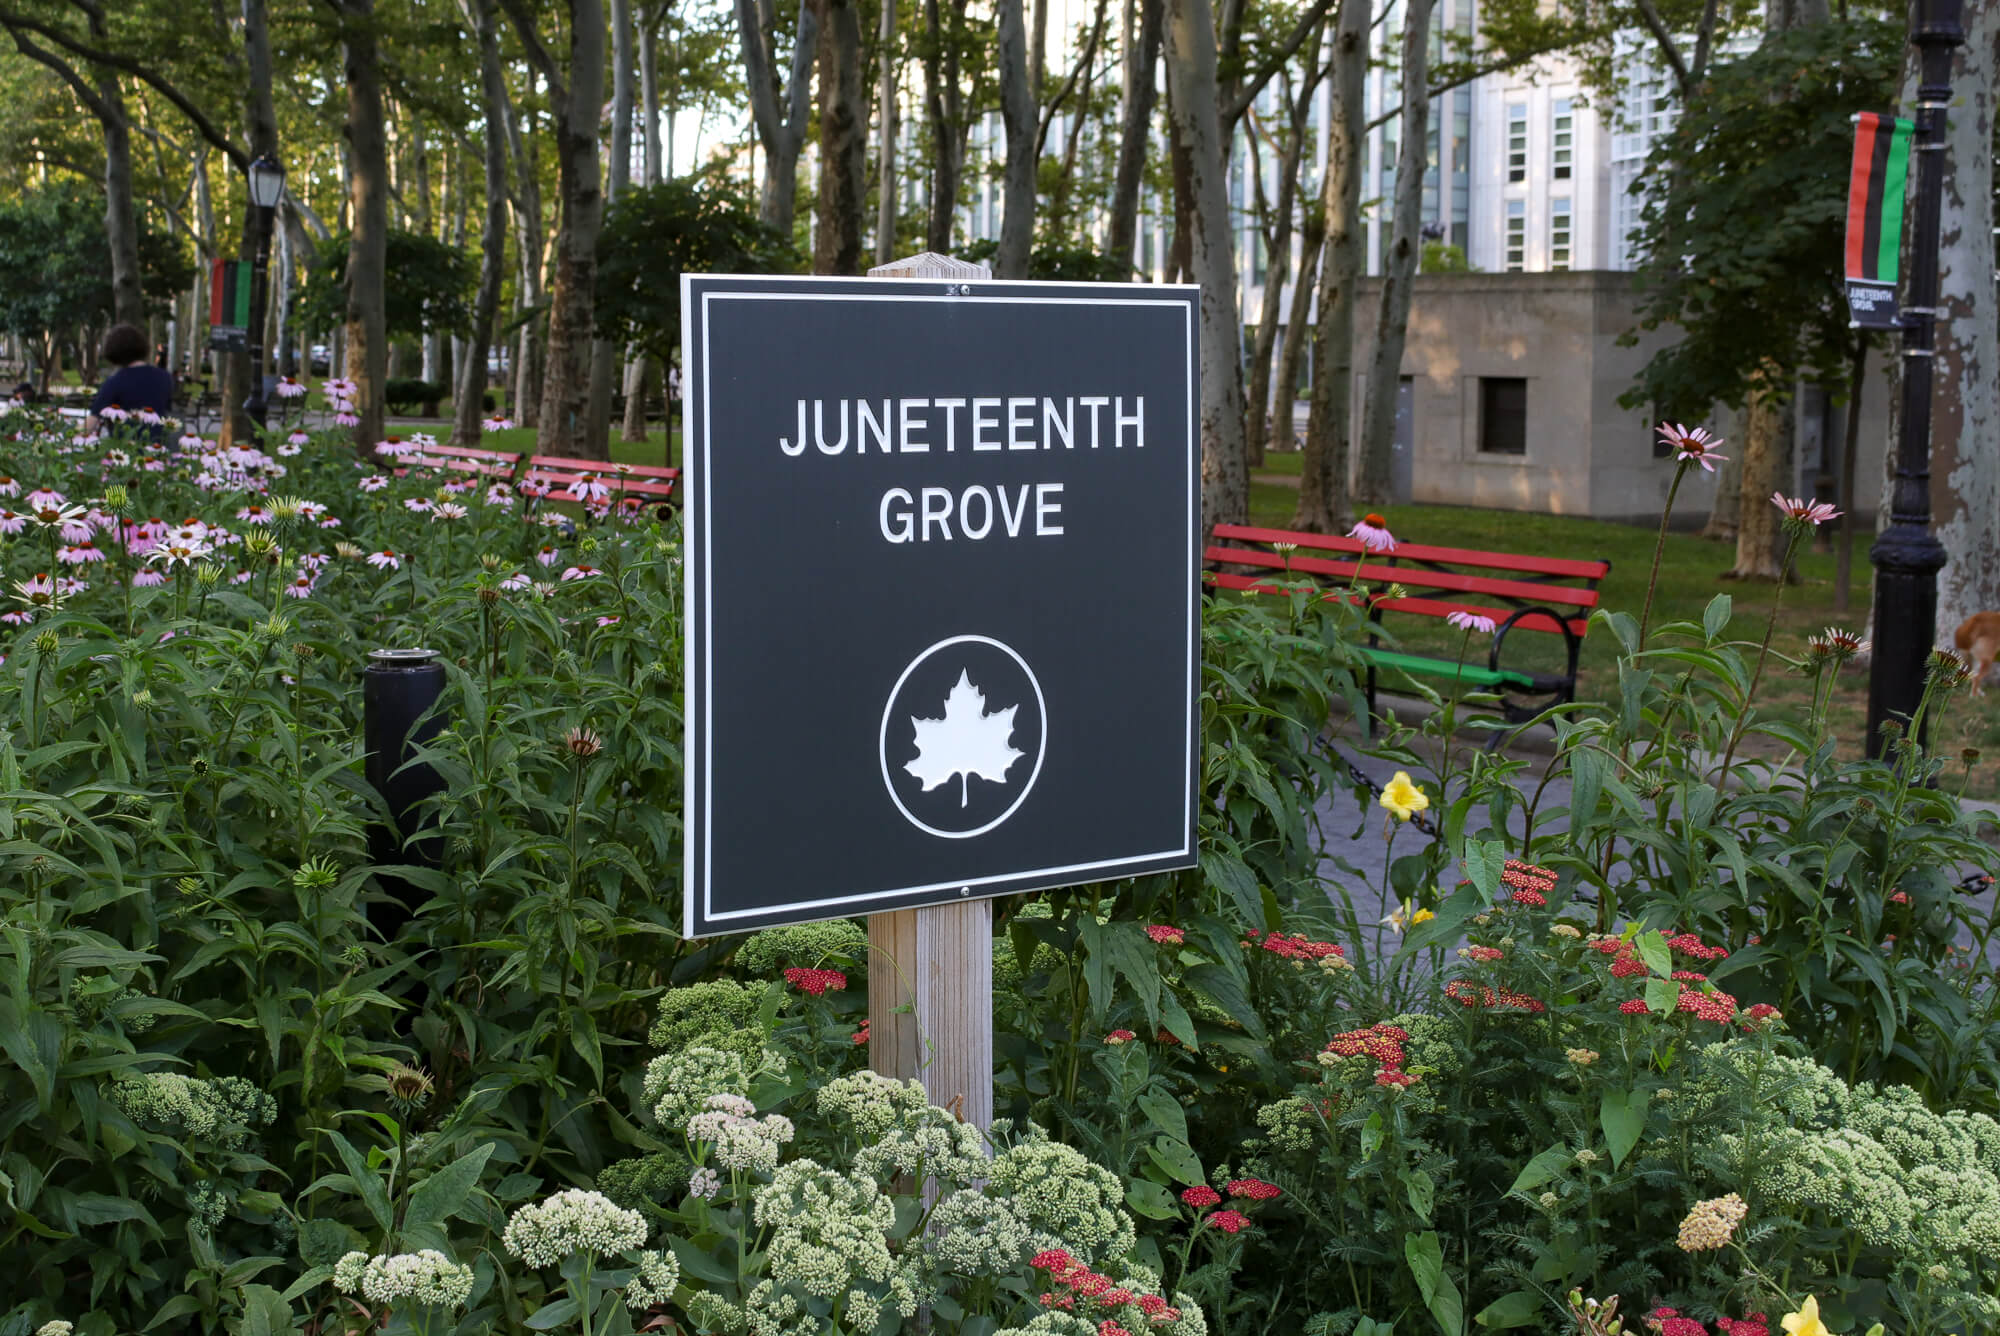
(942, 591)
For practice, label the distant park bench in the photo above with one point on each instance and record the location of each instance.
(558, 477)
(1554, 595)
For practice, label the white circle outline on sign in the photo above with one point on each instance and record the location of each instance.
(888, 707)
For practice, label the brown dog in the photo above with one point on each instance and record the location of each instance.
(1979, 638)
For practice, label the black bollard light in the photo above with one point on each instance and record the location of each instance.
(1907, 555)
(398, 688)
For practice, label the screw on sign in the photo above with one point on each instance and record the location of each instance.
(929, 464)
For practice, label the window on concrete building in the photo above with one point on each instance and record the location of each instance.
(1562, 133)
(1517, 141)
(1517, 235)
(1559, 230)
(1503, 415)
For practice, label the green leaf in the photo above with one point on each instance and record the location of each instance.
(265, 1312)
(1484, 861)
(1166, 1115)
(1151, 1200)
(1426, 1259)
(554, 1315)
(1662, 996)
(1542, 1168)
(445, 1192)
(1623, 1117)
(1447, 926)
(1715, 618)
(1177, 1160)
(1517, 1309)
(702, 1264)
(1422, 1192)
(1654, 951)
(374, 1194)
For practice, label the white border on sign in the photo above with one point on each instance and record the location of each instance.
(1041, 747)
(695, 685)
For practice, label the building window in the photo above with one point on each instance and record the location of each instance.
(1517, 141)
(1562, 133)
(1559, 233)
(1503, 415)
(1517, 235)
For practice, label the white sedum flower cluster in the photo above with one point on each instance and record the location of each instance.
(830, 1240)
(742, 1141)
(1059, 1192)
(427, 1278)
(679, 1085)
(870, 1103)
(654, 1281)
(222, 1110)
(55, 1328)
(972, 1234)
(572, 1221)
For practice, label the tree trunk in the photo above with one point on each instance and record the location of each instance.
(1225, 473)
(578, 104)
(781, 132)
(121, 220)
(640, 378)
(1142, 59)
(944, 108)
(607, 359)
(260, 123)
(1019, 110)
(1323, 500)
(528, 244)
(467, 403)
(1726, 509)
(649, 99)
(368, 200)
(1179, 250)
(1276, 225)
(1965, 399)
(885, 174)
(1760, 540)
(1312, 233)
(1399, 269)
(843, 140)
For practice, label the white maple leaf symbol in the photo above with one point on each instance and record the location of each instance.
(967, 741)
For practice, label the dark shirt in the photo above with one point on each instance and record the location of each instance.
(135, 387)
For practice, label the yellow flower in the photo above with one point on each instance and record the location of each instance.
(1806, 1321)
(1403, 797)
(1421, 916)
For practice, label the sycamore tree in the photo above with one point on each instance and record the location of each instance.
(1745, 250)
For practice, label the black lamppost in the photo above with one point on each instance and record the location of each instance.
(1907, 555)
(267, 187)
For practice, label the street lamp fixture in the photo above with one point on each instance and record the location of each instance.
(267, 187)
(1907, 555)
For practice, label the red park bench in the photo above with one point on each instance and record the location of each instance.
(466, 459)
(1554, 595)
(557, 477)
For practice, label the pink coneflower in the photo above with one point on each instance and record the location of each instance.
(418, 504)
(147, 579)
(385, 560)
(254, 514)
(8, 487)
(312, 561)
(1692, 445)
(532, 489)
(1373, 533)
(579, 572)
(498, 495)
(44, 497)
(448, 510)
(290, 388)
(374, 482)
(395, 448)
(171, 554)
(330, 522)
(497, 423)
(79, 554)
(518, 580)
(288, 449)
(1471, 621)
(1814, 513)
(113, 413)
(189, 441)
(345, 418)
(459, 488)
(301, 587)
(589, 487)
(240, 578)
(607, 621)
(12, 521)
(548, 556)
(423, 440)
(147, 417)
(298, 437)
(37, 591)
(312, 510)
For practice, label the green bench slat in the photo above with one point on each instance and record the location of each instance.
(1417, 663)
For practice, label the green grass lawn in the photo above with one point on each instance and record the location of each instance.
(1691, 571)
(657, 449)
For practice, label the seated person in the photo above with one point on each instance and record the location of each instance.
(136, 385)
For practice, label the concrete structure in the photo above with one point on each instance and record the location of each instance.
(1513, 383)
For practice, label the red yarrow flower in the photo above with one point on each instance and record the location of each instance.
(1120, 1037)
(1635, 1007)
(1201, 1197)
(1229, 1222)
(1253, 1189)
(1110, 1327)
(1469, 994)
(1055, 1260)
(1485, 955)
(1393, 1080)
(815, 982)
(1165, 935)
(861, 1035)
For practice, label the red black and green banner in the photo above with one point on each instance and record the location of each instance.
(229, 303)
(1875, 192)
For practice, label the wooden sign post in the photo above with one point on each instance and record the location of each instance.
(930, 970)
